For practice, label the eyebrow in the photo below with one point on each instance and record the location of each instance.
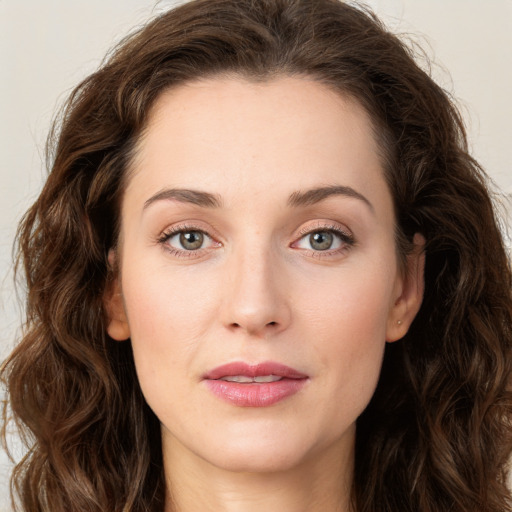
(296, 199)
(204, 199)
(316, 195)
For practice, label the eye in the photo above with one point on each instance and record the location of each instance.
(324, 240)
(187, 240)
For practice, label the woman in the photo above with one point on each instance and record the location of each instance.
(264, 272)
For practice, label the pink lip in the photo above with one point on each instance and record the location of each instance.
(254, 394)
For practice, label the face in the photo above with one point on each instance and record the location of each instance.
(258, 272)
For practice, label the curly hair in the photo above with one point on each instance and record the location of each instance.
(436, 435)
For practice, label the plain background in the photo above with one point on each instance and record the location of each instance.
(48, 46)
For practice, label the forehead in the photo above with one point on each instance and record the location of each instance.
(230, 134)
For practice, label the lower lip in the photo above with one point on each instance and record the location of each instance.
(255, 394)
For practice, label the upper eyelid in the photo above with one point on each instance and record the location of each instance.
(340, 230)
(342, 235)
(327, 225)
(335, 229)
(305, 229)
(167, 234)
(188, 226)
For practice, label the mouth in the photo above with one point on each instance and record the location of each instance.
(260, 385)
(243, 379)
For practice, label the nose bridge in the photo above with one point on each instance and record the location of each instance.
(255, 301)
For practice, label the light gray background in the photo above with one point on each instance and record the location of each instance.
(48, 46)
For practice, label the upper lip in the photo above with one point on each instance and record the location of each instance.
(254, 370)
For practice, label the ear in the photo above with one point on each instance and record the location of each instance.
(117, 327)
(409, 292)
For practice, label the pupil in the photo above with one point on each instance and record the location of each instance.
(191, 240)
(321, 241)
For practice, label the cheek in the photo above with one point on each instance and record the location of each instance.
(352, 304)
(346, 319)
(167, 314)
(168, 299)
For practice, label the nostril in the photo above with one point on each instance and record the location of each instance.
(253, 327)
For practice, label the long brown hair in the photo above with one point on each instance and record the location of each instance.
(436, 436)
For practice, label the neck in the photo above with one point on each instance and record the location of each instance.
(321, 483)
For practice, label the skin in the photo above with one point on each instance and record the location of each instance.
(258, 289)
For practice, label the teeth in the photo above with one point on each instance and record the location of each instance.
(245, 379)
(237, 378)
(267, 378)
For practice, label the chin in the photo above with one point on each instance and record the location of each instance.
(254, 457)
(271, 448)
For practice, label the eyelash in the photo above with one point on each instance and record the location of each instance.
(164, 238)
(346, 239)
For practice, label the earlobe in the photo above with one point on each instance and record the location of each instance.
(408, 303)
(117, 322)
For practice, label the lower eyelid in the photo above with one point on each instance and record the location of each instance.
(344, 237)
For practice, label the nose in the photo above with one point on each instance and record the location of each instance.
(255, 298)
